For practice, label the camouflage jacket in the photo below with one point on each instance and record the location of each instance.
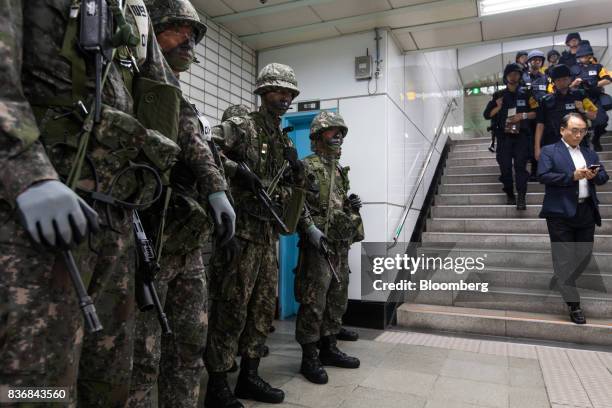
(193, 179)
(33, 72)
(257, 140)
(327, 205)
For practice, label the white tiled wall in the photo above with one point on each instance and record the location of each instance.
(224, 76)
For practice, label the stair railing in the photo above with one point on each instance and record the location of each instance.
(452, 105)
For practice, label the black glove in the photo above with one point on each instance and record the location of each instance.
(354, 201)
(297, 167)
(248, 179)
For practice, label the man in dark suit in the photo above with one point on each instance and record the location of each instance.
(571, 172)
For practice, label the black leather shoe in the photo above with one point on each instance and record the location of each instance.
(218, 393)
(330, 355)
(510, 199)
(347, 335)
(251, 386)
(521, 202)
(577, 316)
(492, 148)
(311, 368)
(552, 285)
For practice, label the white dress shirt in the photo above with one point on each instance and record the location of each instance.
(579, 163)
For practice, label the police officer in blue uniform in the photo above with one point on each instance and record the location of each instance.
(513, 109)
(572, 40)
(534, 78)
(552, 57)
(521, 59)
(554, 106)
(537, 82)
(592, 77)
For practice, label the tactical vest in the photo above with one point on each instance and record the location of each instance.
(537, 85)
(189, 225)
(263, 153)
(118, 141)
(327, 207)
(519, 100)
(557, 106)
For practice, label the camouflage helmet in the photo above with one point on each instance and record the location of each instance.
(325, 120)
(235, 110)
(274, 76)
(166, 12)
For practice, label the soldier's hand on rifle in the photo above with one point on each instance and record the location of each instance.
(354, 202)
(315, 236)
(54, 215)
(297, 167)
(225, 217)
(248, 179)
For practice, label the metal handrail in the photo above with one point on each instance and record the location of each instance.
(421, 177)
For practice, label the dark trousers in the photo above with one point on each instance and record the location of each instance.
(598, 131)
(531, 155)
(513, 151)
(572, 247)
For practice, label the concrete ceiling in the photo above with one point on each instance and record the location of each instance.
(416, 24)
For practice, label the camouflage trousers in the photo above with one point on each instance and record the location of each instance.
(41, 328)
(175, 362)
(106, 360)
(243, 302)
(322, 299)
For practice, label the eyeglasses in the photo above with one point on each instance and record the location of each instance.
(577, 131)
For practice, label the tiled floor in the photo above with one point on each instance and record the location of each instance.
(401, 369)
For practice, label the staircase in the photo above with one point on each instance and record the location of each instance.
(470, 212)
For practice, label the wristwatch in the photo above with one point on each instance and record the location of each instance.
(524, 116)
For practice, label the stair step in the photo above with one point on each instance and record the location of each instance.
(470, 178)
(531, 259)
(487, 141)
(489, 161)
(497, 211)
(490, 168)
(511, 241)
(476, 140)
(553, 327)
(499, 198)
(482, 147)
(477, 188)
(527, 279)
(501, 225)
(594, 303)
(538, 278)
(485, 154)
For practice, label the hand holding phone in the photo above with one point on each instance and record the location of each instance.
(594, 167)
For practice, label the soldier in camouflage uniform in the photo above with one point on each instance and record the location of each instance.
(322, 295)
(234, 110)
(176, 361)
(43, 76)
(243, 286)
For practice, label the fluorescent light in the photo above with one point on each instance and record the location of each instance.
(488, 7)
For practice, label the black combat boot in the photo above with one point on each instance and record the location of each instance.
(521, 202)
(218, 393)
(251, 386)
(347, 335)
(312, 368)
(510, 197)
(331, 356)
